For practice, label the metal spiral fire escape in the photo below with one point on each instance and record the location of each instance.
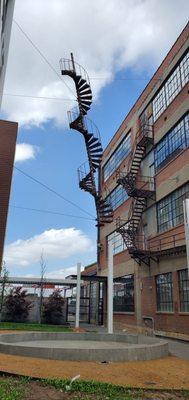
(79, 122)
(140, 190)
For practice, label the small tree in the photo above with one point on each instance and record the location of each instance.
(52, 312)
(17, 305)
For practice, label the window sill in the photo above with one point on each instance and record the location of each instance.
(186, 313)
(165, 312)
(123, 312)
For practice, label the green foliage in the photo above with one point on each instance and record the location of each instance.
(11, 389)
(17, 305)
(100, 389)
(33, 327)
(52, 309)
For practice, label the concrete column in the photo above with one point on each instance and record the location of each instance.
(138, 294)
(186, 224)
(110, 288)
(78, 295)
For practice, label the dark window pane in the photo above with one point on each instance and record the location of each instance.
(117, 157)
(123, 300)
(164, 292)
(117, 197)
(174, 141)
(170, 209)
(183, 278)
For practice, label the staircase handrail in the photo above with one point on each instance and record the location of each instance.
(66, 64)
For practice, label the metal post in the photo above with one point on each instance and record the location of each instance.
(78, 295)
(110, 288)
(186, 225)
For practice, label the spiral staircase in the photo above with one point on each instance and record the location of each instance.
(140, 189)
(79, 122)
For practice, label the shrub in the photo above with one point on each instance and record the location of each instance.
(17, 305)
(52, 311)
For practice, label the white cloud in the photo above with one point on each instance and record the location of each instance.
(56, 244)
(61, 273)
(105, 36)
(25, 151)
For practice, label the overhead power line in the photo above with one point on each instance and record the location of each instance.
(52, 191)
(43, 56)
(51, 212)
(37, 97)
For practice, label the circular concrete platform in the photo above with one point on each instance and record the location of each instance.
(83, 346)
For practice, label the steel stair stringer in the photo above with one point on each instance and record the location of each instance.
(128, 180)
(79, 122)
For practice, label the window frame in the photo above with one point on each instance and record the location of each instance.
(164, 301)
(120, 302)
(175, 140)
(117, 157)
(175, 212)
(183, 284)
(171, 87)
(116, 199)
(121, 246)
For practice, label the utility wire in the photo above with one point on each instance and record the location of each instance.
(37, 97)
(51, 212)
(52, 191)
(43, 56)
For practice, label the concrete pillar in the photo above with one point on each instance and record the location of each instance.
(78, 295)
(138, 294)
(110, 288)
(186, 224)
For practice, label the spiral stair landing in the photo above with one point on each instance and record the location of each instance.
(79, 122)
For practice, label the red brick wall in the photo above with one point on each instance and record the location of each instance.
(170, 322)
(8, 134)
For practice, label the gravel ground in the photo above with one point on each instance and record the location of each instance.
(169, 372)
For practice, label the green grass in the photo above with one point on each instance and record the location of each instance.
(33, 327)
(12, 389)
(101, 390)
(18, 389)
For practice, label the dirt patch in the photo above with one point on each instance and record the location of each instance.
(169, 372)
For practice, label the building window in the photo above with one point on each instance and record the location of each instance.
(170, 209)
(117, 242)
(117, 197)
(175, 140)
(183, 278)
(184, 69)
(123, 300)
(171, 88)
(164, 292)
(117, 157)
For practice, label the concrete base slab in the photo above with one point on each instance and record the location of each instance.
(84, 346)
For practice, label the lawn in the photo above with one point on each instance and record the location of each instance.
(15, 388)
(33, 327)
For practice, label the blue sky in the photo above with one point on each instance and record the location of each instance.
(54, 152)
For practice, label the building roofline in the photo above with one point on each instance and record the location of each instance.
(146, 87)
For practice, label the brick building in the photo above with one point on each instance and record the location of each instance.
(145, 177)
(8, 130)
(8, 134)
